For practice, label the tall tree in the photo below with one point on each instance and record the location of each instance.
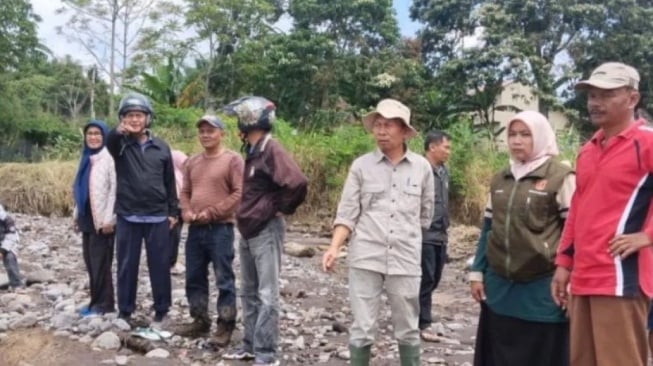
(522, 39)
(18, 37)
(352, 25)
(622, 34)
(223, 26)
(102, 26)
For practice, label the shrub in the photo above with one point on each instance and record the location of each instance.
(324, 156)
(474, 160)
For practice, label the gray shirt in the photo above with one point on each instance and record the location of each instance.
(386, 207)
(437, 232)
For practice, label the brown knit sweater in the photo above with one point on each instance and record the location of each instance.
(214, 185)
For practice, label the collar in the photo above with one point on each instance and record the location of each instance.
(623, 135)
(260, 146)
(380, 156)
(539, 172)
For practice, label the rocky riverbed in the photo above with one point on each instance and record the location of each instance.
(40, 325)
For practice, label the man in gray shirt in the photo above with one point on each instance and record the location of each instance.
(386, 202)
(434, 239)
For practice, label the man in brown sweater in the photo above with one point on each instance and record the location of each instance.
(210, 195)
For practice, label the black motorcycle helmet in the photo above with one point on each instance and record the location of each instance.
(253, 113)
(136, 102)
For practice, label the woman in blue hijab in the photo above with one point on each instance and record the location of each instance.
(94, 191)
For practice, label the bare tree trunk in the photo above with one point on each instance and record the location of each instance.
(209, 71)
(92, 92)
(112, 62)
(125, 42)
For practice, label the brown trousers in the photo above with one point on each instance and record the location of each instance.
(608, 331)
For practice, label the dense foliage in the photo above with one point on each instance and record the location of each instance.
(323, 62)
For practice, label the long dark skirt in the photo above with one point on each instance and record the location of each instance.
(508, 341)
(98, 257)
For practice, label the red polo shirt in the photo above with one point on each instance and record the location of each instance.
(614, 188)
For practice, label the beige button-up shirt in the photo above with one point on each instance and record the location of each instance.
(386, 207)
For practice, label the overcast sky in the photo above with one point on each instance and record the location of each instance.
(61, 47)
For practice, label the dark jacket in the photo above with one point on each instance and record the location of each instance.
(526, 222)
(437, 232)
(272, 184)
(146, 177)
(7, 226)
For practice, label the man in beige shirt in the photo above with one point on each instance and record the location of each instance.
(387, 200)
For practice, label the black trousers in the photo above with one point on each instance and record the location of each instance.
(98, 257)
(175, 239)
(129, 244)
(433, 259)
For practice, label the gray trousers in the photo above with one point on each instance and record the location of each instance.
(11, 265)
(260, 264)
(365, 288)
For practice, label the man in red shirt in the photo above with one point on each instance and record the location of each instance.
(604, 260)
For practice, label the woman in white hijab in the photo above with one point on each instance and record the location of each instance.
(512, 270)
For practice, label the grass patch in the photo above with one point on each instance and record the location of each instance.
(40, 188)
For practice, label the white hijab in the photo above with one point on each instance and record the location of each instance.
(544, 143)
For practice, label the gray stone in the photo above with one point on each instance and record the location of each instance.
(56, 291)
(87, 339)
(121, 324)
(158, 353)
(436, 361)
(96, 323)
(107, 340)
(299, 343)
(324, 357)
(63, 321)
(26, 321)
(121, 360)
(62, 333)
(39, 248)
(452, 341)
(59, 306)
(299, 250)
(343, 354)
(455, 326)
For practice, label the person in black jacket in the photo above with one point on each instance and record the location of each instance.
(146, 205)
(434, 240)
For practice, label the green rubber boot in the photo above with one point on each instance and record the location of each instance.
(359, 356)
(409, 355)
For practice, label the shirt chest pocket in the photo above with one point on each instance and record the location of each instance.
(371, 195)
(410, 200)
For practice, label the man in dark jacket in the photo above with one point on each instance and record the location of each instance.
(146, 205)
(273, 186)
(434, 240)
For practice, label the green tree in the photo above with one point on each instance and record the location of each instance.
(359, 25)
(495, 40)
(224, 26)
(18, 38)
(623, 34)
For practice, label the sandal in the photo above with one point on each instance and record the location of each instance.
(429, 336)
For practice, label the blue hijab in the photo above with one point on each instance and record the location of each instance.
(80, 186)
